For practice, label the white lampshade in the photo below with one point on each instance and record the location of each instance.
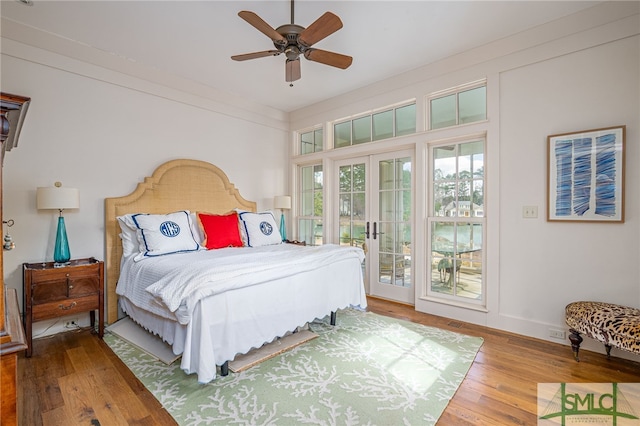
(282, 202)
(57, 198)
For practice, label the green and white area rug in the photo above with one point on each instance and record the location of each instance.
(367, 370)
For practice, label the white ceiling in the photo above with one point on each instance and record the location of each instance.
(195, 39)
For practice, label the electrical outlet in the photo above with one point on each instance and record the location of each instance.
(72, 323)
(530, 212)
(556, 334)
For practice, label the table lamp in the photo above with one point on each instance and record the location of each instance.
(282, 202)
(59, 198)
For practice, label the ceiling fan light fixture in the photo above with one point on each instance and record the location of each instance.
(294, 40)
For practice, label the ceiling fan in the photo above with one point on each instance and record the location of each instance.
(294, 40)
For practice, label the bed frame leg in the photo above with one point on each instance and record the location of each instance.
(333, 317)
(224, 369)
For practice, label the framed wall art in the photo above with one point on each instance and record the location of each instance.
(586, 175)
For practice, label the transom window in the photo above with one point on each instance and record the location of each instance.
(384, 124)
(461, 105)
(311, 141)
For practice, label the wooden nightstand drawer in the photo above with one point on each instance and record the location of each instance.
(59, 284)
(52, 292)
(65, 307)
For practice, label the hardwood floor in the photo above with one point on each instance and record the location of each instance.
(74, 378)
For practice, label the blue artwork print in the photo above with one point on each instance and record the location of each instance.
(266, 228)
(581, 175)
(586, 173)
(606, 175)
(169, 229)
(564, 179)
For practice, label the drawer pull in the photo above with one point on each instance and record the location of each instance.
(66, 308)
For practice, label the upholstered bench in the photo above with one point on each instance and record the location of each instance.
(614, 325)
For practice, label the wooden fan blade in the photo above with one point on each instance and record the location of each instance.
(261, 26)
(292, 70)
(255, 55)
(329, 58)
(324, 26)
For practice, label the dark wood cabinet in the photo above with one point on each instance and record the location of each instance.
(12, 340)
(52, 292)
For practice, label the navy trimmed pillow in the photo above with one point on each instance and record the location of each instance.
(164, 234)
(260, 229)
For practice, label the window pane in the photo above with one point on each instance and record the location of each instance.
(342, 134)
(307, 178)
(473, 105)
(406, 120)
(345, 179)
(359, 177)
(307, 204)
(444, 163)
(306, 143)
(344, 207)
(404, 169)
(362, 130)
(383, 125)
(443, 195)
(404, 205)
(443, 112)
(386, 205)
(478, 198)
(317, 177)
(310, 231)
(359, 206)
(386, 172)
(317, 139)
(317, 203)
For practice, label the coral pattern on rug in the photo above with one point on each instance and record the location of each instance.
(367, 370)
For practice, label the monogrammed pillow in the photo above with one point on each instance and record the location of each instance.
(260, 229)
(162, 234)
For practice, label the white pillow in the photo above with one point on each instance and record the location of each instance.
(198, 233)
(129, 235)
(164, 234)
(260, 229)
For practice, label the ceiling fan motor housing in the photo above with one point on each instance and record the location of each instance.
(293, 48)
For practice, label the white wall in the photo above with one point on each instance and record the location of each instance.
(103, 132)
(578, 73)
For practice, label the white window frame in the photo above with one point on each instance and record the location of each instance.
(429, 294)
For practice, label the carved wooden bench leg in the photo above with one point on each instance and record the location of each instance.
(608, 348)
(576, 340)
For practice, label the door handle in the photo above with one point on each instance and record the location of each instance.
(375, 233)
(366, 232)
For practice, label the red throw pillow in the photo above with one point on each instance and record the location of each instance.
(220, 230)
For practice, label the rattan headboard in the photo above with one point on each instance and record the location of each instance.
(175, 185)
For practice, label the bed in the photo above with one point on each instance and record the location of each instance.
(228, 313)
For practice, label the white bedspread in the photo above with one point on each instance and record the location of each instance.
(179, 281)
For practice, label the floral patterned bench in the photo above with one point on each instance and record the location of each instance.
(613, 325)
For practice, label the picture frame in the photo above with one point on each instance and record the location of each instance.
(586, 175)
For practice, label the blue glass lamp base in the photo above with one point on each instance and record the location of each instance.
(283, 229)
(61, 253)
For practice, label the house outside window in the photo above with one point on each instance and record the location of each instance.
(456, 223)
(311, 206)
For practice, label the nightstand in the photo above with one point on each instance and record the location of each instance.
(52, 292)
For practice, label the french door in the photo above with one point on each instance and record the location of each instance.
(374, 211)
